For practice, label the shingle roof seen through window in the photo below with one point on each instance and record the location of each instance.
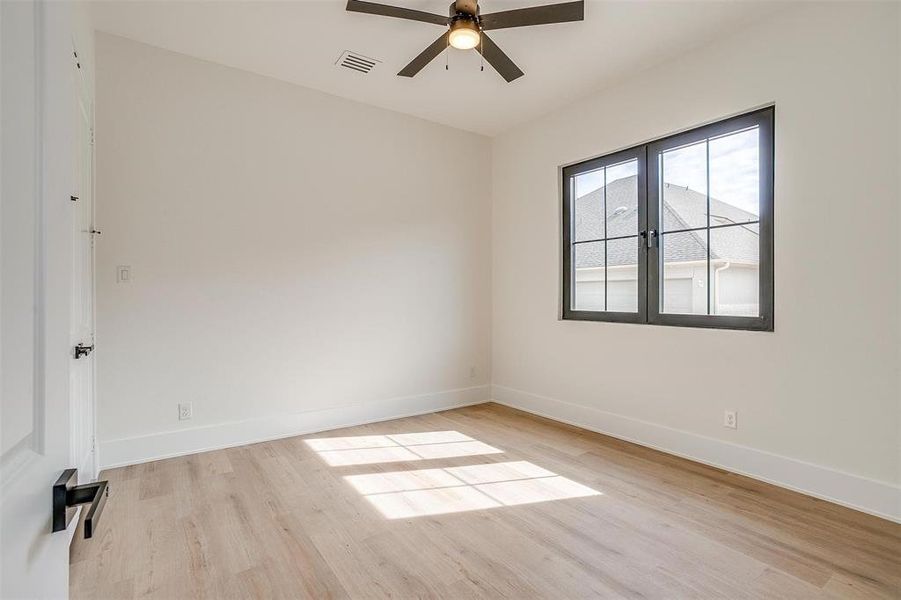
(682, 206)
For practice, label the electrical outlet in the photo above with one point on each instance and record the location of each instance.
(185, 411)
(730, 419)
(473, 372)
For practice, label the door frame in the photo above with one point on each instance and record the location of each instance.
(84, 99)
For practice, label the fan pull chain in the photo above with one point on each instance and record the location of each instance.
(446, 54)
(481, 51)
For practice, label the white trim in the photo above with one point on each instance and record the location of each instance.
(17, 462)
(73, 525)
(168, 444)
(879, 498)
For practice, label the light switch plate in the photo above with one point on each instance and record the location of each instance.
(123, 274)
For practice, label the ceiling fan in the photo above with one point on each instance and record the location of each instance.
(466, 28)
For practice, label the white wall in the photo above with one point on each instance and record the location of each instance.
(818, 399)
(299, 261)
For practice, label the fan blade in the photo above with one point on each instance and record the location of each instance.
(425, 57)
(500, 61)
(536, 15)
(373, 8)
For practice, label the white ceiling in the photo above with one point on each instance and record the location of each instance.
(299, 41)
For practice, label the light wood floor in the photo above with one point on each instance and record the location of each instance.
(296, 519)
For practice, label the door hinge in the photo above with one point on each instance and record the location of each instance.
(81, 350)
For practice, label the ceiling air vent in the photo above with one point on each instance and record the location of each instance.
(357, 62)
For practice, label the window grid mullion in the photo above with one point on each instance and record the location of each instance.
(707, 185)
(723, 226)
(659, 227)
(626, 237)
(604, 217)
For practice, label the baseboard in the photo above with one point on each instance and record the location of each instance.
(867, 495)
(168, 444)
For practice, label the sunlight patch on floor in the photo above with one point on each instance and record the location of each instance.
(405, 494)
(473, 448)
(367, 456)
(402, 481)
(371, 449)
(494, 472)
(429, 437)
(421, 503)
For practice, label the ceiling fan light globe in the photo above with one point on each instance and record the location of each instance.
(464, 38)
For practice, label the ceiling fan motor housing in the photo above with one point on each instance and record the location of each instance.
(465, 30)
(464, 7)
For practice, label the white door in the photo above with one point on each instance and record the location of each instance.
(82, 326)
(37, 162)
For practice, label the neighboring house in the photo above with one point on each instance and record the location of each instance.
(734, 252)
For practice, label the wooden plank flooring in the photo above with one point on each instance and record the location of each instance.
(577, 515)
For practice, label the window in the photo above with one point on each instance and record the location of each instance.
(675, 232)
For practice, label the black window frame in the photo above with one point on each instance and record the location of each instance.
(649, 225)
(569, 173)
